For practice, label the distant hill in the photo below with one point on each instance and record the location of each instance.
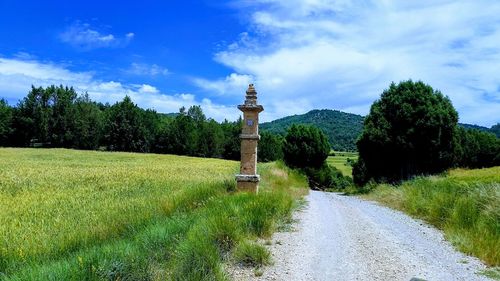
(342, 129)
(475, 127)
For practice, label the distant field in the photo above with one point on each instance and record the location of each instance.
(464, 203)
(339, 161)
(82, 215)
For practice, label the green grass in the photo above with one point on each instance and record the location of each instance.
(252, 254)
(339, 161)
(84, 215)
(464, 203)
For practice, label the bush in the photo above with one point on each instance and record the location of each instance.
(327, 177)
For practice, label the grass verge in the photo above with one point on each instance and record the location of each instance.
(465, 204)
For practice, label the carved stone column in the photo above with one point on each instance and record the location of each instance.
(248, 179)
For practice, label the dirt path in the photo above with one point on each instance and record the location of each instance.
(345, 238)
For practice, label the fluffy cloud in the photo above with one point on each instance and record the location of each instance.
(230, 85)
(341, 54)
(82, 36)
(17, 76)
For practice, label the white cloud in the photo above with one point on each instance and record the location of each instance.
(144, 88)
(342, 54)
(17, 76)
(231, 85)
(147, 69)
(82, 36)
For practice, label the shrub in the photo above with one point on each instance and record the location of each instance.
(326, 177)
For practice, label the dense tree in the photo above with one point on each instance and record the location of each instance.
(5, 122)
(495, 129)
(125, 130)
(32, 118)
(476, 149)
(89, 124)
(305, 146)
(211, 139)
(63, 115)
(232, 143)
(270, 147)
(182, 134)
(409, 131)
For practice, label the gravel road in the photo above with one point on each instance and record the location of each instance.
(345, 238)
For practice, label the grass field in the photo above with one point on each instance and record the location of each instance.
(339, 161)
(86, 215)
(464, 203)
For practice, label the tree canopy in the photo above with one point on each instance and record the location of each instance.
(409, 131)
(305, 146)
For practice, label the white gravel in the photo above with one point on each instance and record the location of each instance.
(345, 238)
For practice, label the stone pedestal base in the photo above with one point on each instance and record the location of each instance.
(247, 183)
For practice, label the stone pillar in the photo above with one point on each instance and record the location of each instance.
(248, 179)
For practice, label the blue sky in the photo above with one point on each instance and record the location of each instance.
(301, 54)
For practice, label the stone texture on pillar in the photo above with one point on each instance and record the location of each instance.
(248, 179)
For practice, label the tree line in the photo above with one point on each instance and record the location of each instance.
(56, 116)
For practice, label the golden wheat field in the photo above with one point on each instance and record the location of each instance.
(52, 201)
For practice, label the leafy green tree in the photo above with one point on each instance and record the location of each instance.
(162, 141)
(32, 117)
(495, 129)
(270, 147)
(409, 131)
(89, 123)
(63, 115)
(476, 149)
(151, 121)
(125, 130)
(305, 146)
(5, 122)
(211, 139)
(183, 137)
(232, 144)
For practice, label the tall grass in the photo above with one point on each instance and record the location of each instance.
(465, 204)
(121, 216)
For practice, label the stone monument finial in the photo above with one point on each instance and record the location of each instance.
(251, 97)
(251, 90)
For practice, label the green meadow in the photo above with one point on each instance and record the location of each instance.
(465, 204)
(88, 215)
(339, 161)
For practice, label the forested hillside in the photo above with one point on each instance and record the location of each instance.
(342, 129)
